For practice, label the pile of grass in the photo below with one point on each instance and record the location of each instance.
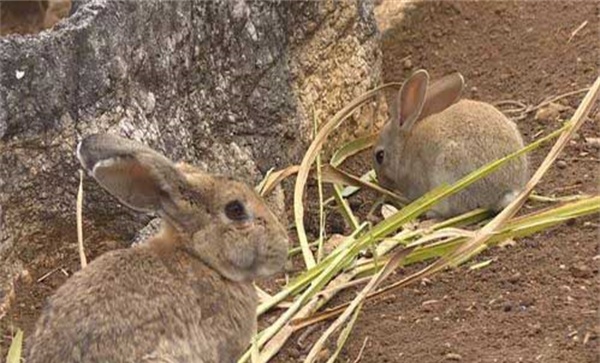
(395, 241)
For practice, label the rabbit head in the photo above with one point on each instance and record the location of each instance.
(217, 219)
(415, 102)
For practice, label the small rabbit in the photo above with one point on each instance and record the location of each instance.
(433, 140)
(185, 295)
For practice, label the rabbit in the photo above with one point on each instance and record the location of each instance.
(433, 138)
(184, 295)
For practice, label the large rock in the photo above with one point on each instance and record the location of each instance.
(228, 85)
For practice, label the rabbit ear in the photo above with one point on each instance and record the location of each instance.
(412, 98)
(138, 176)
(442, 94)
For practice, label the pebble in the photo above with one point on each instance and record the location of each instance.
(549, 112)
(455, 357)
(26, 277)
(407, 64)
(561, 164)
(593, 142)
(514, 278)
(581, 271)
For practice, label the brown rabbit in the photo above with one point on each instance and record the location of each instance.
(433, 140)
(186, 295)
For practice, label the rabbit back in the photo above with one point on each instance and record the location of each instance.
(136, 305)
(446, 146)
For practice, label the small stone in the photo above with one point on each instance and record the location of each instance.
(407, 64)
(26, 277)
(549, 112)
(593, 142)
(561, 164)
(581, 271)
(474, 89)
(514, 278)
(455, 357)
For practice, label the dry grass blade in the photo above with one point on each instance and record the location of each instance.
(309, 159)
(375, 281)
(273, 179)
(361, 351)
(556, 98)
(321, 239)
(82, 257)
(352, 148)
(273, 346)
(337, 176)
(344, 334)
(345, 208)
(577, 30)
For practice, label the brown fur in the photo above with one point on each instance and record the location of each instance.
(446, 146)
(186, 295)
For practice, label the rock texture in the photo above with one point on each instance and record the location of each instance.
(228, 85)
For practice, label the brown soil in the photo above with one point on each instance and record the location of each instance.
(538, 301)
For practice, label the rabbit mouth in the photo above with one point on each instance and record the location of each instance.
(244, 225)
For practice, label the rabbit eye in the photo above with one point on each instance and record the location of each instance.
(379, 157)
(235, 211)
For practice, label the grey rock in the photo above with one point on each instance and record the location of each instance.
(227, 85)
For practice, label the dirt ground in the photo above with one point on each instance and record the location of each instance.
(538, 301)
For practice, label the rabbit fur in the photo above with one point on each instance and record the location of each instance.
(432, 140)
(186, 294)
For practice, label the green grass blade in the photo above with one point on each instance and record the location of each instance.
(16, 346)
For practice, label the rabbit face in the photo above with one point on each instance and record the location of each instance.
(385, 155)
(241, 239)
(220, 221)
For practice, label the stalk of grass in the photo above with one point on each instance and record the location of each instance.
(320, 195)
(345, 209)
(344, 335)
(278, 340)
(306, 278)
(16, 346)
(337, 176)
(357, 302)
(273, 179)
(79, 218)
(309, 159)
(352, 148)
(316, 285)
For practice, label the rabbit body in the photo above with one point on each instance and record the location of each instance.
(185, 295)
(445, 146)
(201, 316)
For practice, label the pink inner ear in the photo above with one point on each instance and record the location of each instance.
(128, 180)
(141, 179)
